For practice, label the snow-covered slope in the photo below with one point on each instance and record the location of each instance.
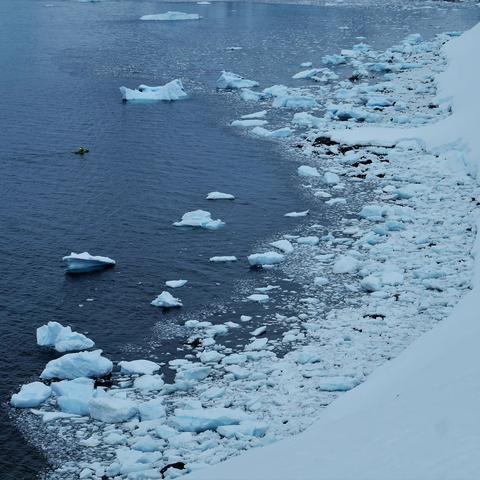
(418, 416)
(457, 85)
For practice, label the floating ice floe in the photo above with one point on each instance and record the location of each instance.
(248, 123)
(297, 214)
(279, 133)
(283, 245)
(148, 383)
(220, 196)
(334, 60)
(172, 16)
(304, 119)
(200, 420)
(267, 258)
(338, 384)
(31, 395)
(234, 49)
(176, 283)
(261, 114)
(139, 367)
(294, 101)
(306, 171)
(346, 264)
(201, 219)
(173, 90)
(258, 297)
(230, 80)
(62, 338)
(331, 178)
(251, 96)
(84, 262)
(110, 409)
(306, 64)
(307, 73)
(312, 240)
(74, 365)
(226, 258)
(166, 300)
(73, 396)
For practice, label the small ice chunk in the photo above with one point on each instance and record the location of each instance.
(279, 133)
(220, 196)
(294, 101)
(171, 91)
(312, 240)
(152, 409)
(62, 338)
(261, 114)
(257, 344)
(176, 283)
(230, 80)
(283, 245)
(251, 96)
(200, 420)
(166, 300)
(307, 73)
(148, 383)
(259, 331)
(371, 283)
(172, 16)
(74, 395)
(297, 214)
(84, 262)
(225, 258)
(31, 395)
(74, 365)
(306, 64)
(346, 264)
(211, 356)
(244, 429)
(331, 178)
(320, 281)
(248, 123)
(337, 384)
(306, 171)
(245, 318)
(139, 367)
(110, 409)
(267, 258)
(201, 219)
(257, 297)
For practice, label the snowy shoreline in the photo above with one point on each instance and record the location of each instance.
(382, 256)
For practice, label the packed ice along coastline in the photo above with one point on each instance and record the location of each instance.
(389, 270)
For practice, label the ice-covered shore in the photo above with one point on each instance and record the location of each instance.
(396, 262)
(416, 416)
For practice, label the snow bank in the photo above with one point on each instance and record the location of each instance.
(172, 16)
(173, 90)
(457, 85)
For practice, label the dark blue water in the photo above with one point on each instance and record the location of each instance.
(60, 69)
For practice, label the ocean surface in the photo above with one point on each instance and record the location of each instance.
(61, 64)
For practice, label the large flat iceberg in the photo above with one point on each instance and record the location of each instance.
(172, 16)
(173, 90)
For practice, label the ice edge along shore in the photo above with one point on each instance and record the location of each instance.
(416, 416)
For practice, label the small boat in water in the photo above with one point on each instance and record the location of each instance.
(84, 262)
